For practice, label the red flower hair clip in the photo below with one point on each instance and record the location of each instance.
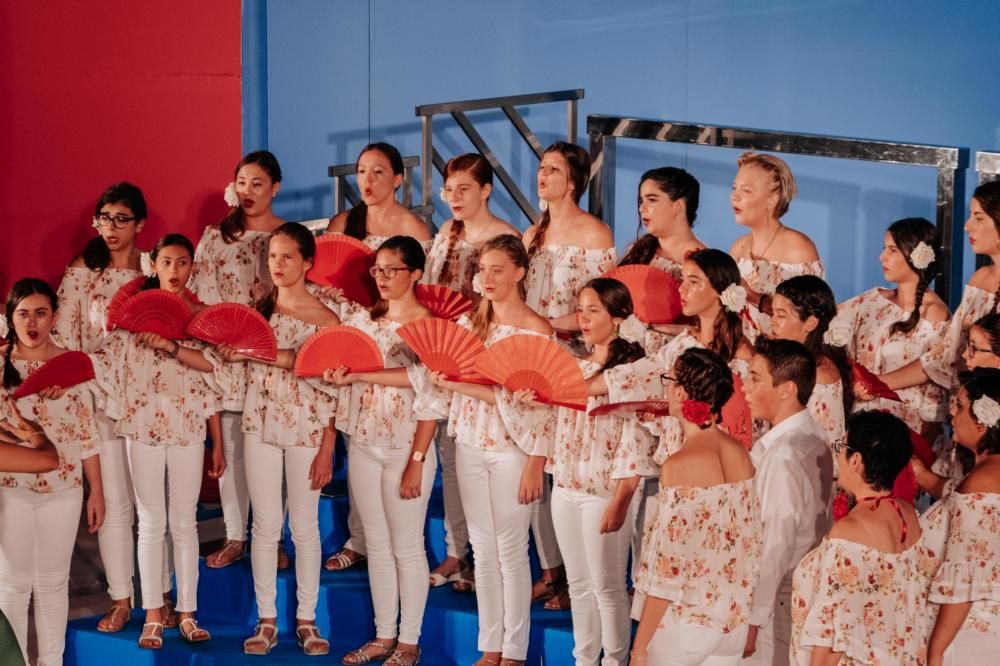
(841, 505)
(697, 412)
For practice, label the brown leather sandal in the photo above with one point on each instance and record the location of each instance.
(359, 656)
(283, 561)
(168, 616)
(404, 657)
(117, 616)
(343, 559)
(560, 600)
(231, 551)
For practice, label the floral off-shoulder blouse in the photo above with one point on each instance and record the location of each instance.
(84, 296)
(558, 272)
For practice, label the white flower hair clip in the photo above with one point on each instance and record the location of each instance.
(477, 284)
(734, 298)
(232, 199)
(632, 329)
(443, 194)
(838, 334)
(987, 411)
(543, 205)
(922, 256)
(3, 327)
(146, 264)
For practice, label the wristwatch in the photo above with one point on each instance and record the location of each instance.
(418, 456)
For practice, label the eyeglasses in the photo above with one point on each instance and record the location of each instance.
(972, 350)
(839, 445)
(389, 272)
(120, 221)
(666, 379)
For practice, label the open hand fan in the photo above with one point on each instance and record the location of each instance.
(655, 293)
(872, 383)
(155, 311)
(905, 486)
(337, 346)
(125, 292)
(68, 369)
(237, 325)
(632, 407)
(445, 347)
(343, 261)
(443, 302)
(736, 417)
(536, 363)
(922, 449)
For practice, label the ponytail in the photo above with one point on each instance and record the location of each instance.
(11, 377)
(538, 240)
(357, 221)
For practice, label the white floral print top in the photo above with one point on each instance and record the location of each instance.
(943, 358)
(84, 296)
(231, 272)
(701, 551)
(68, 423)
(373, 241)
(826, 406)
(558, 272)
(464, 260)
(763, 277)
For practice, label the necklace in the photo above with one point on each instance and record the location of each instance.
(769, 243)
(474, 241)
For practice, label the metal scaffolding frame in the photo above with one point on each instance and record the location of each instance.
(987, 166)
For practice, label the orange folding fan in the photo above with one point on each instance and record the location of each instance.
(632, 407)
(536, 363)
(655, 293)
(237, 325)
(443, 302)
(736, 417)
(68, 369)
(445, 347)
(343, 261)
(337, 346)
(872, 383)
(154, 311)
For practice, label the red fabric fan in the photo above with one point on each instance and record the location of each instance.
(655, 293)
(155, 311)
(337, 346)
(736, 417)
(237, 325)
(922, 449)
(68, 369)
(632, 407)
(343, 261)
(445, 347)
(125, 292)
(536, 363)
(443, 302)
(872, 383)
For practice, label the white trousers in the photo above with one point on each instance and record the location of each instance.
(543, 530)
(355, 532)
(37, 533)
(774, 639)
(647, 488)
(266, 467)
(595, 569)
(456, 533)
(115, 539)
(692, 644)
(498, 530)
(233, 491)
(167, 482)
(394, 536)
(972, 648)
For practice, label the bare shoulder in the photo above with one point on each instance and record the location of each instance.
(849, 528)
(827, 372)
(594, 234)
(797, 248)
(506, 227)
(337, 223)
(984, 479)
(934, 309)
(413, 226)
(740, 248)
(537, 323)
(77, 262)
(983, 279)
(735, 458)
(445, 228)
(529, 234)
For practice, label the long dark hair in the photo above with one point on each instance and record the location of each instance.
(96, 253)
(617, 300)
(978, 383)
(511, 245)
(307, 248)
(234, 225)
(411, 253)
(988, 196)
(811, 296)
(907, 234)
(675, 184)
(170, 240)
(578, 168)
(357, 218)
(721, 271)
(21, 290)
(479, 168)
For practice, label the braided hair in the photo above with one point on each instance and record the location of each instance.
(705, 376)
(578, 171)
(907, 234)
(21, 290)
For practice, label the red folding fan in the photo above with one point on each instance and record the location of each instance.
(736, 417)
(632, 407)
(536, 363)
(155, 311)
(445, 347)
(68, 369)
(125, 292)
(872, 383)
(443, 302)
(655, 293)
(337, 346)
(237, 325)
(343, 261)
(905, 486)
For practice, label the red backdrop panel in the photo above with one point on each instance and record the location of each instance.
(96, 92)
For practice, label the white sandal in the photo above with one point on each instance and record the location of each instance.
(261, 639)
(156, 636)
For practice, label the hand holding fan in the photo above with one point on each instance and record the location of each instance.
(535, 363)
(871, 383)
(65, 370)
(736, 418)
(237, 325)
(655, 293)
(445, 347)
(337, 346)
(154, 311)
(443, 302)
(343, 261)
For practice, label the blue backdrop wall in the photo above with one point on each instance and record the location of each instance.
(321, 79)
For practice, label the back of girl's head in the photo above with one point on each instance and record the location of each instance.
(676, 184)
(704, 376)
(990, 325)
(96, 254)
(883, 442)
(980, 383)
(988, 196)
(617, 300)
(234, 225)
(357, 218)
(510, 245)
(21, 290)
(170, 240)
(907, 234)
(782, 180)
(473, 164)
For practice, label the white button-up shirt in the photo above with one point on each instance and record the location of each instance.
(794, 483)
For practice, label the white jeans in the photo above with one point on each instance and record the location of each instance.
(167, 482)
(355, 532)
(692, 644)
(498, 529)
(542, 529)
(595, 570)
(115, 539)
(972, 648)
(233, 491)
(394, 535)
(774, 639)
(37, 533)
(456, 533)
(267, 465)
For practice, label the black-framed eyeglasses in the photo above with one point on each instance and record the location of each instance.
(119, 221)
(389, 272)
(666, 379)
(972, 350)
(840, 445)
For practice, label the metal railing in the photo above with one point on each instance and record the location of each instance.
(987, 166)
(458, 111)
(950, 163)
